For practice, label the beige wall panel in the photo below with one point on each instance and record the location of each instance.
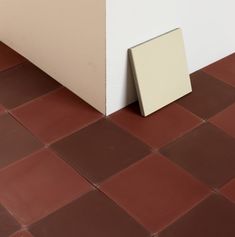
(161, 72)
(64, 38)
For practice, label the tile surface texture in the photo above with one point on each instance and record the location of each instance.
(39, 185)
(160, 71)
(92, 215)
(2, 109)
(55, 115)
(212, 218)
(159, 128)
(8, 224)
(65, 170)
(21, 234)
(223, 69)
(100, 150)
(9, 58)
(206, 152)
(15, 141)
(226, 120)
(209, 95)
(229, 190)
(24, 83)
(155, 192)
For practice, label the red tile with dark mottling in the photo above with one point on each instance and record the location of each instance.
(56, 115)
(9, 58)
(159, 128)
(38, 185)
(155, 192)
(223, 69)
(24, 83)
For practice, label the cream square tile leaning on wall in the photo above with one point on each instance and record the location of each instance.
(83, 43)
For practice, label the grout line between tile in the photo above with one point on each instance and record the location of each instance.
(217, 78)
(74, 131)
(13, 67)
(37, 98)
(200, 122)
(184, 213)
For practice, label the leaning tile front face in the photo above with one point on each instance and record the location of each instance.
(159, 128)
(15, 141)
(160, 71)
(9, 58)
(226, 120)
(155, 191)
(24, 83)
(23, 233)
(56, 115)
(229, 190)
(213, 217)
(223, 69)
(38, 185)
(100, 150)
(207, 153)
(91, 215)
(8, 225)
(209, 95)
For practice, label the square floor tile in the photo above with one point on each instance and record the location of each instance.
(8, 224)
(15, 141)
(91, 215)
(159, 128)
(223, 69)
(155, 191)
(100, 150)
(209, 95)
(206, 152)
(56, 115)
(229, 190)
(24, 83)
(214, 217)
(23, 233)
(38, 185)
(226, 120)
(9, 58)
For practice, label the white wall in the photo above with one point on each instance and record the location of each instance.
(66, 39)
(208, 27)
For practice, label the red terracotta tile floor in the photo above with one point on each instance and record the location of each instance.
(65, 170)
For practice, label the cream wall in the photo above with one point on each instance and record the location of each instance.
(64, 38)
(208, 28)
